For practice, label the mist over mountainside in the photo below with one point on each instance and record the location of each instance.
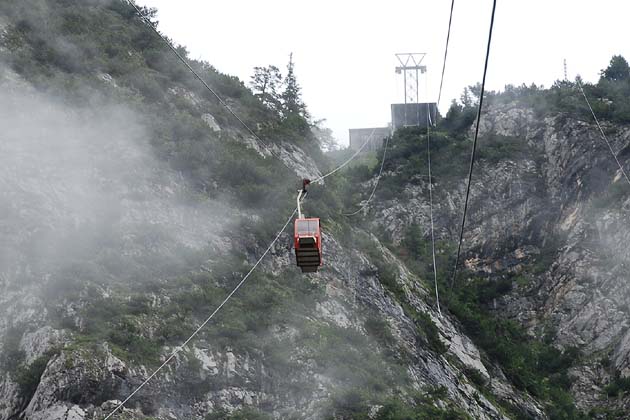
(132, 202)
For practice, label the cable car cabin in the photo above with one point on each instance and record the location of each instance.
(308, 245)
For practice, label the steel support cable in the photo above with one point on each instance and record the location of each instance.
(206, 85)
(614, 155)
(203, 324)
(378, 178)
(429, 122)
(350, 159)
(474, 146)
(435, 280)
(244, 279)
(448, 37)
(238, 286)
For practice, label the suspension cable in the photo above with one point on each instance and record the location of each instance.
(435, 280)
(429, 122)
(378, 178)
(229, 296)
(448, 37)
(474, 146)
(204, 323)
(238, 286)
(206, 85)
(179, 348)
(612, 152)
(350, 159)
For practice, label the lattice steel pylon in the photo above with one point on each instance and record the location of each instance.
(411, 67)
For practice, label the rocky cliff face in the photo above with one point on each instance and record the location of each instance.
(84, 192)
(55, 208)
(79, 193)
(564, 201)
(122, 230)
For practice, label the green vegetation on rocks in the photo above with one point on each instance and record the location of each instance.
(90, 54)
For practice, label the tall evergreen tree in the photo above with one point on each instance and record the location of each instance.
(618, 69)
(292, 96)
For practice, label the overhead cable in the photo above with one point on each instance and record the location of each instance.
(204, 323)
(435, 280)
(474, 146)
(350, 159)
(612, 152)
(365, 204)
(448, 37)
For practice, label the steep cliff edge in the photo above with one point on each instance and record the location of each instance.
(547, 226)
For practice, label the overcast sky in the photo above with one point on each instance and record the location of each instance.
(344, 50)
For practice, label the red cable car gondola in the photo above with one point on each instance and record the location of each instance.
(308, 244)
(307, 239)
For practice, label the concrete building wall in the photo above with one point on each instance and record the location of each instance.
(412, 115)
(358, 137)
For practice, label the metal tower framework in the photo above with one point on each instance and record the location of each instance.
(565, 70)
(411, 67)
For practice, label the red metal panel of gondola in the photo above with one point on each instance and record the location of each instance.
(307, 239)
(308, 244)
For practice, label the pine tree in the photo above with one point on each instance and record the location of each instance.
(292, 103)
(618, 69)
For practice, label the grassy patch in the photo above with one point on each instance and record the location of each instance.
(495, 148)
(619, 386)
(28, 376)
(533, 365)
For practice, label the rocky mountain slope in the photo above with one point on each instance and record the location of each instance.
(548, 213)
(132, 203)
(98, 231)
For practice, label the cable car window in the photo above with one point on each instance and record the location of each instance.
(302, 226)
(307, 226)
